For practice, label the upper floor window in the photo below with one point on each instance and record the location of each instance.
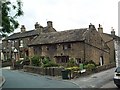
(37, 50)
(21, 43)
(13, 43)
(51, 48)
(66, 46)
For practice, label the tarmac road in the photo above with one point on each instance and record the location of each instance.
(17, 79)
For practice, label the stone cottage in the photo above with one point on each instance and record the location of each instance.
(80, 44)
(15, 46)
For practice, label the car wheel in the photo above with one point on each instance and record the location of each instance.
(118, 86)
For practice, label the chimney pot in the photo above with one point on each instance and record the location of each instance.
(37, 25)
(112, 31)
(49, 24)
(100, 29)
(23, 29)
(91, 26)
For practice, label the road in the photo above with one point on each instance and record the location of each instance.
(19, 79)
(96, 80)
(109, 85)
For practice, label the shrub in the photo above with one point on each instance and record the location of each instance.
(74, 68)
(90, 62)
(9, 59)
(36, 61)
(45, 60)
(71, 63)
(26, 58)
(90, 67)
(50, 64)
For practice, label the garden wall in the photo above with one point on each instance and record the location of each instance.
(51, 71)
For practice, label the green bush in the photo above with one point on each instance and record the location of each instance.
(71, 63)
(90, 62)
(18, 62)
(74, 68)
(50, 64)
(9, 59)
(36, 61)
(26, 58)
(45, 60)
(90, 67)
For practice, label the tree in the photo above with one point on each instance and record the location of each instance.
(9, 15)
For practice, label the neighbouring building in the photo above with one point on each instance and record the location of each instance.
(15, 46)
(113, 42)
(80, 44)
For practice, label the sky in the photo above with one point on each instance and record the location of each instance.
(70, 14)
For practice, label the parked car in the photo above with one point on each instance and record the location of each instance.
(117, 77)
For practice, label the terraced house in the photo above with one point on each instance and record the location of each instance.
(82, 45)
(16, 45)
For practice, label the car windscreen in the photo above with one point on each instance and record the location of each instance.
(118, 70)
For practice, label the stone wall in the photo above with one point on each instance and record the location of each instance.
(51, 71)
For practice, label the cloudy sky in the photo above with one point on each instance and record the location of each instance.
(70, 14)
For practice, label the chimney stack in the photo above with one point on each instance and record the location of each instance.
(23, 29)
(112, 32)
(91, 26)
(100, 29)
(49, 24)
(37, 25)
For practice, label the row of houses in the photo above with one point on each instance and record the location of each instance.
(82, 44)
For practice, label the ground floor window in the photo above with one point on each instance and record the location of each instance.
(62, 59)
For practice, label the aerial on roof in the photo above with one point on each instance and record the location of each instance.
(59, 37)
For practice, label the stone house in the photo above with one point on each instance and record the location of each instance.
(112, 40)
(15, 46)
(80, 44)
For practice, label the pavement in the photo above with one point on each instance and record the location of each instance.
(96, 80)
(2, 81)
(2, 78)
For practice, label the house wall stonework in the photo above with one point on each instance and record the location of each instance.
(110, 42)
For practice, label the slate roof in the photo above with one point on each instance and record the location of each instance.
(23, 34)
(60, 37)
(116, 37)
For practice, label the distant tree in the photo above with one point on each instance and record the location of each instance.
(9, 14)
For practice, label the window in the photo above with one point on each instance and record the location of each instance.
(37, 50)
(66, 46)
(21, 54)
(13, 43)
(78, 60)
(51, 48)
(21, 43)
(62, 59)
